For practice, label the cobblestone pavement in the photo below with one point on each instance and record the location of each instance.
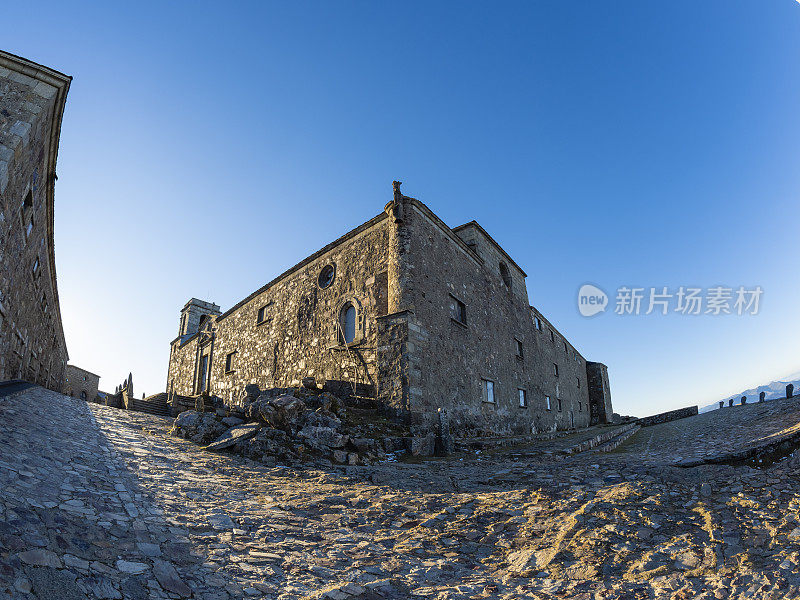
(716, 432)
(102, 503)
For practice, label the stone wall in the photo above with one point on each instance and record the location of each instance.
(450, 361)
(32, 345)
(80, 383)
(299, 334)
(673, 415)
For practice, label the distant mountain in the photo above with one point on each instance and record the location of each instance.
(773, 390)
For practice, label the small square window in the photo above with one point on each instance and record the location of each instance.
(523, 398)
(547, 403)
(488, 391)
(263, 314)
(458, 312)
(230, 362)
(518, 345)
(555, 369)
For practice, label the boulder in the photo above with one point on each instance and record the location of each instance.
(267, 442)
(233, 435)
(364, 444)
(188, 419)
(327, 401)
(201, 428)
(232, 421)
(260, 409)
(321, 418)
(251, 391)
(209, 428)
(288, 413)
(322, 438)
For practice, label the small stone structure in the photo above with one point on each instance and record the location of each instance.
(744, 400)
(32, 345)
(123, 394)
(80, 383)
(721, 403)
(408, 312)
(790, 390)
(761, 396)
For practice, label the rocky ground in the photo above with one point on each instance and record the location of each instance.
(97, 502)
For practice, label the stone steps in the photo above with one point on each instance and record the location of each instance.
(600, 439)
(157, 407)
(487, 443)
(617, 441)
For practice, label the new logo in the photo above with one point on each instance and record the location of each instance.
(591, 300)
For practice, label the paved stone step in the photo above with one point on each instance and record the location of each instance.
(150, 407)
(617, 441)
(488, 443)
(600, 439)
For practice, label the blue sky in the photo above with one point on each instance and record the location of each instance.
(206, 148)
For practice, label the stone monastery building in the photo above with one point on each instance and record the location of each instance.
(403, 308)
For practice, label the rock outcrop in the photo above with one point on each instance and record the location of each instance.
(291, 425)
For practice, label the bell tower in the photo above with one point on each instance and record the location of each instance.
(192, 313)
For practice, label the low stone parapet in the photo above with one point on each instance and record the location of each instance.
(665, 417)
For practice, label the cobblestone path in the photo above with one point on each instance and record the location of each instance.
(102, 503)
(716, 432)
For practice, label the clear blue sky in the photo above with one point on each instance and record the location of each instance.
(207, 147)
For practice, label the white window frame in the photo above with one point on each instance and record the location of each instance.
(488, 390)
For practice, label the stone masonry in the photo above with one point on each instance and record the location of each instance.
(32, 345)
(427, 319)
(80, 383)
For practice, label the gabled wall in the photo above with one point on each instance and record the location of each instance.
(299, 335)
(447, 361)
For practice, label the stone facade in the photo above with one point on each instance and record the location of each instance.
(80, 383)
(32, 345)
(434, 322)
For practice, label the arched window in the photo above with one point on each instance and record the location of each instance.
(348, 322)
(83, 395)
(504, 273)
